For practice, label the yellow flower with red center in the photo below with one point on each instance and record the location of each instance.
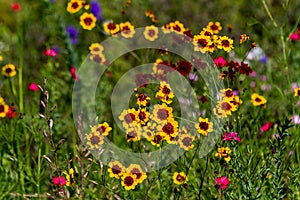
(74, 6)
(129, 181)
(133, 134)
(111, 28)
(219, 112)
(103, 129)
(156, 140)
(170, 128)
(96, 48)
(142, 99)
(98, 58)
(142, 116)
(258, 100)
(215, 27)
(166, 28)
(224, 152)
(3, 108)
(136, 170)
(94, 140)
(151, 33)
(9, 70)
(129, 118)
(202, 43)
(204, 126)
(116, 169)
(227, 93)
(186, 141)
(180, 178)
(177, 26)
(164, 93)
(207, 32)
(161, 113)
(226, 106)
(243, 38)
(297, 92)
(127, 30)
(150, 14)
(70, 181)
(88, 21)
(225, 43)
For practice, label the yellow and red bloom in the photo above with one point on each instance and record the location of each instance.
(142, 100)
(133, 134)
(177, 26)
(70, 181)
(297, 92)
(116, 169)
(74, 6)
(157, 139)
(165, 93)
(161, 113)
(224, 152)
(225, 43)
(202, 43)
(170, 128)
(180, 178)
(186, 141)
(9, 70)
(142, 116)
(128, 118)
(215, 27)
(227, 93)
(151, 33)
(219, 112)
(136, 169)
(243, 38)
(3, 108)
(88, 21)
(226, 106)
(98, 58)
(94, 140)
(129, 181)
(127, 30)
(207, 32)
(96, 48)
(204, 126)
(102, 129)
(258, 100)
(111, 28)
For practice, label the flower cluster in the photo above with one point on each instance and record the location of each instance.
(131, 176)
(228, 104)
(96, 53)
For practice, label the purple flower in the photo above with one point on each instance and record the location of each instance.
(264, 59)
(73, 33)
(296, 119)
(96, 9)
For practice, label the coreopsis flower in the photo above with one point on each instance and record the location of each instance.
(157, 139)
(170, 128)
(33, 87)
(206, 32)
(202, 43)
(215, 27)
(177, 26)
(221, 182)
(98, 58)
(133, 134)
(94, 140)
(116, 169)
(142, 99)
(102, 129)
(204, 126)
(161, 113)
(297, 92)
(165, 94)
(225, 43)
(186, 141)
(111, 28)
(88, 21)
(142, 116)
(3, 109)
(9, 70)
(151, 33)
(224, 152)
(70, 181)
(129, 181)
(74, 6)
(137, 170)
(244, 37)
(59, 181)
(180, 178)
(230, 136)
(226, 106)
(128, 118)
(96, 48)
(127, 30)
(258, 100)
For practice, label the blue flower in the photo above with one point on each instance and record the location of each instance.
(73, 33)
(96, 9)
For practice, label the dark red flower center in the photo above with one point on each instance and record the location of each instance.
(225, 43)
(75, 5)
(8, 70)
(187, 141)
(166, 90)
(137, 172)
(128, 181)
(151, 33)
(180, 178)
(126, 29)
(257, 99)
(111, 26)
(214, 27)
(162, 114)
(1, 108)
(168, 128)
(157, 139)
(203, 126)
(116, 169)
(101, 129)
(97, 58)
(228, 93)
(226, 106)
(131, 135)
(129, 118)
(142, 116)
(202, 43)
(95, 139)
(88, 21)
(177, 28)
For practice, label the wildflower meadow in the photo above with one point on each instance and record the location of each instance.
(165, 99)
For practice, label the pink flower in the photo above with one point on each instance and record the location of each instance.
(59, 181)
(294, 36)
(73, 73)
(252, 74)
(50, 52)
(16, 7)
(221, 182)
(230, 136)
(266, 126)
(33, 87)
(296, 119)
(220, 61)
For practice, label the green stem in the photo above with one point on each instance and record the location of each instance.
(269, 13)
(20, 68)
(39, 173)
(20, 168)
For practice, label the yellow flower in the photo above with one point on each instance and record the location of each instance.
(116, 169)
(204, 126)
(3, 108)
(135, 169)
(70, 181)
(142, 99)
(142, 116)
(127, 30)
(129, 118)
(161, 113)
(215, 27)
(165, 93)
(98, 58)
(170, 128)
(180, 178)
(94, 140)
(258, 100)
(133, 134)
(157, 139)
(88, 21)
(74, 6)
(225, 43)
(186, 141)
(224, 152)
(151, 33)
(226, 106)
(96, 48)
(243, 38)
(111, 28)
(129, 181)
(202, 43)
(9, 70)
(297, 92)
(102, 129)
(177, 26)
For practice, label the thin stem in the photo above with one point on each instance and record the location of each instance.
(20, 68)
(269, 13)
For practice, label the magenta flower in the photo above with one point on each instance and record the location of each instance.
(230, 136)
(73, 73)
(220, 61)
(50, 52)
(266, 126)
(33, 87)
(294, 36)
(59, 181)
(221, 182)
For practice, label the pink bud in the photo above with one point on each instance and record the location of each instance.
(33, 87)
